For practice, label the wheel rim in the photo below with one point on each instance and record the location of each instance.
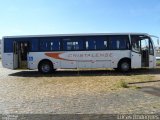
(125, 66)
(45, 68)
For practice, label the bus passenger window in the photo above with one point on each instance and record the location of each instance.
(119, 42)
(101, 43)
(114, 44)
(72, 45)
(50, 44)
(90, 45)
(136, 46)
(151, 50)
(55, 45)
(135, 43)
(76, 46)
(8, 45)
(34, 45)
(123, 44)
(87, 45)
(105, 44)
(44, 45)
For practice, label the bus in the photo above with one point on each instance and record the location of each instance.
(121, 51)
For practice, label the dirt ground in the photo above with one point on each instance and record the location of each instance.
(70, 92)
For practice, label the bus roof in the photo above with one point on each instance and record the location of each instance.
(79, 34)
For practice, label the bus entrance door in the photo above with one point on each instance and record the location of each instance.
(15, 55)
(142, 52)
(20, 54)
(152, 57)
(147, 51)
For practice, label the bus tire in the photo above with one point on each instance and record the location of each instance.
(45, 67)
(124, 66)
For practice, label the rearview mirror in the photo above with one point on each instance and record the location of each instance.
(158, 41)
(155, 37)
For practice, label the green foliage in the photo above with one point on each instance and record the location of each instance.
(122, 84)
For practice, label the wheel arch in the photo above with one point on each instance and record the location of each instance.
(124, 59)
(45, 60)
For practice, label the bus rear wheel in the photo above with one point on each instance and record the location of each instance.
(124, 66)
(45, 67)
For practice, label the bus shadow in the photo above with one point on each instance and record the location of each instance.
(73, 73)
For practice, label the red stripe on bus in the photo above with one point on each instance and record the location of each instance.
(54, 55)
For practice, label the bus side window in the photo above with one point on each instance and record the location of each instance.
(105, 44)
(90, 44)
(54, 45)
(135, 43)
(8, 45)
(114, 44)
(69, 44)
(49, 44)
(87, 45)
(44, 45)
(101, 43)
(124, 43)
(34, 45)
(151, 50)
(119, 42)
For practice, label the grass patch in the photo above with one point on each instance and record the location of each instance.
(122, 84)
(158, 62)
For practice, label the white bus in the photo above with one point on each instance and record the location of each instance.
(122, 51)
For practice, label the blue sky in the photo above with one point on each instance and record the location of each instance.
(32, 17)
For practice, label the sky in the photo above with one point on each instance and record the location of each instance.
(39, 17)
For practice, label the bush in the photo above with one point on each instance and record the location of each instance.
(158, 62)
(122, 84)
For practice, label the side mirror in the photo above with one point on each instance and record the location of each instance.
(156, 38)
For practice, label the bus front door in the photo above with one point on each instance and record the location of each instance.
(15, 55)
(20, 54)
(147, 51)
(142, 52)
(23, 54)
(152, 57)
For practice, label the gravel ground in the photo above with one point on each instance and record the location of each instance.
(19, 94)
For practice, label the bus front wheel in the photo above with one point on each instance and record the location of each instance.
(124, 66)
(45, 67)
